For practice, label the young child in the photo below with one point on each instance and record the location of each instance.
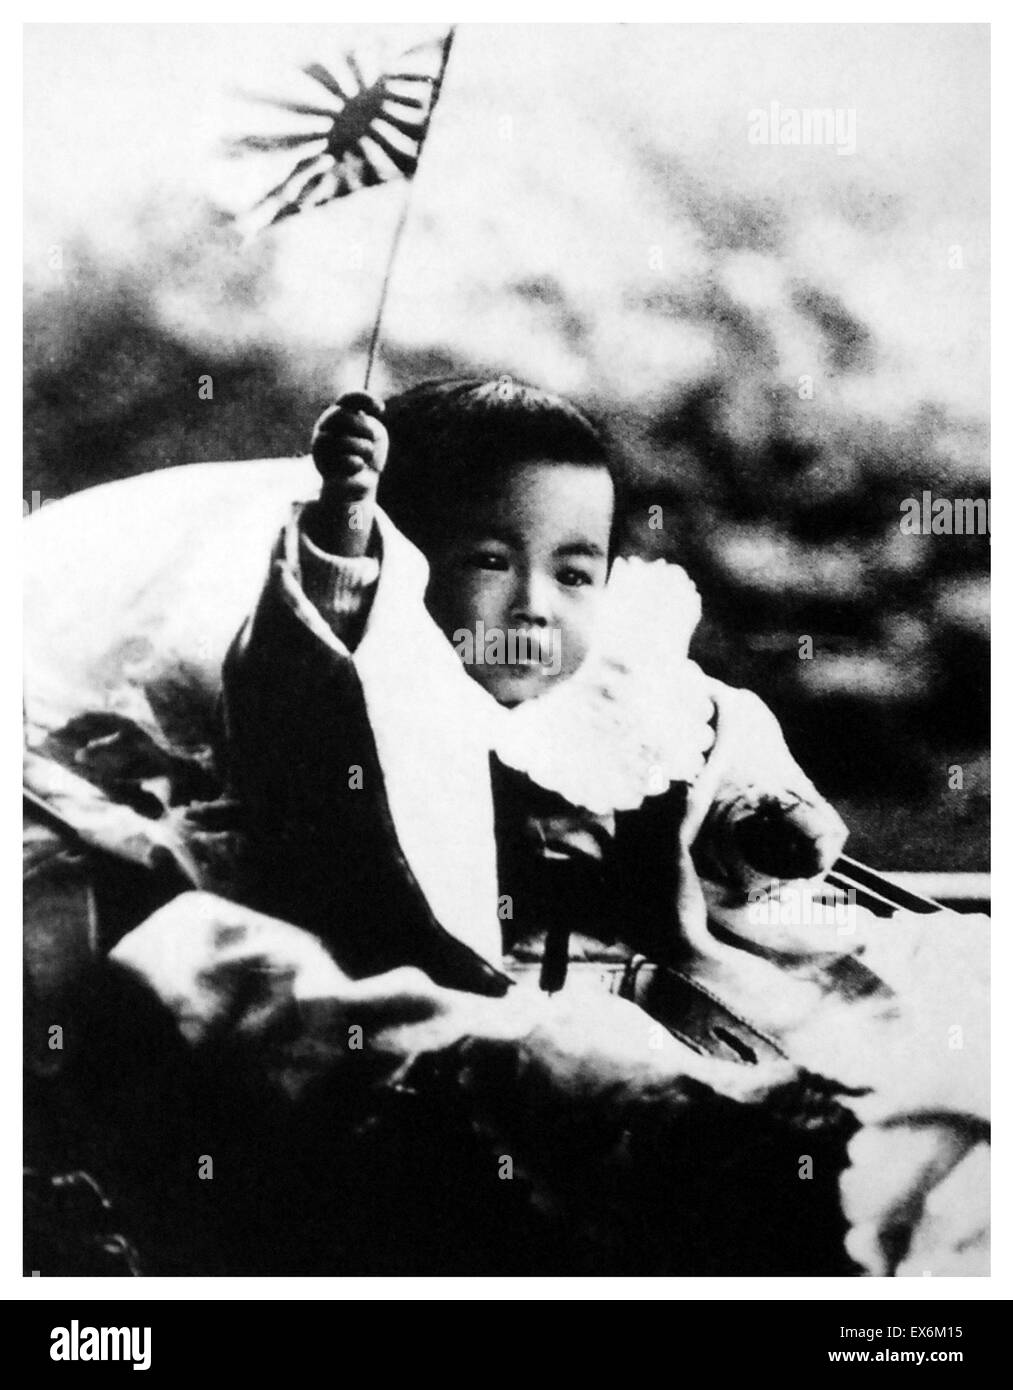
(484, 754)
(498, 763)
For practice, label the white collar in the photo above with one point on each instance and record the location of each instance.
(630, 722)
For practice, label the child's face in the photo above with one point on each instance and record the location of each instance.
(516, 582)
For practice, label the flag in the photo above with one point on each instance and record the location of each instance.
(367, 133)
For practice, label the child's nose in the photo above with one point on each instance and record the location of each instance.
(532, 600)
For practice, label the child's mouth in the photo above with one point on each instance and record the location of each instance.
(518, 653)
(532, 650)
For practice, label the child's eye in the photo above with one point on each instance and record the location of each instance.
(488, 560)
(574, 578)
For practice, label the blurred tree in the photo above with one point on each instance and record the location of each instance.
(784, 508)
(117, 352)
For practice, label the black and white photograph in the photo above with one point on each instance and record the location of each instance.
(506, 678)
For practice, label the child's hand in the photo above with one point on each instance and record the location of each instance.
(349, 445)
(349, 448)
(759, 819)
(786, 837)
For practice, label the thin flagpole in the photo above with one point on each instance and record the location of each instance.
(402, 220)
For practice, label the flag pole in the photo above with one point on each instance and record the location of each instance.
(402, 220)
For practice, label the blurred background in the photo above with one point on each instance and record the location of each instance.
(783, 341)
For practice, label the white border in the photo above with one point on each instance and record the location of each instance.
(12, 1284)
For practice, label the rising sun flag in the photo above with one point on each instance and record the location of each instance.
(367, 133)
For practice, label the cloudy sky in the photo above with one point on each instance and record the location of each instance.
(593, 156)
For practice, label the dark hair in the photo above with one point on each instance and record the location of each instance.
(447, 433)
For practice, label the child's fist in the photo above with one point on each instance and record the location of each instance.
(751, 839)
(349, 444)
(788, 837)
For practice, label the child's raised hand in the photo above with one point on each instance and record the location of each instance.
(349, 448)
(349, 445)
